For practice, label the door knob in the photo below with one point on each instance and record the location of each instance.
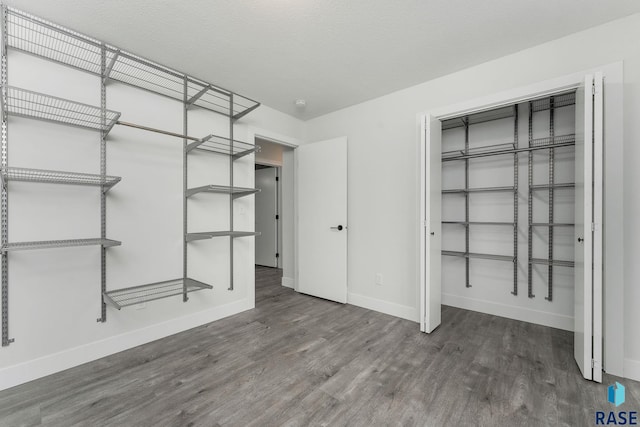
(580, 240)
(339, 228)
(433, 233)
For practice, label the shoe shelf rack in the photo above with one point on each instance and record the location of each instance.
(35, 36)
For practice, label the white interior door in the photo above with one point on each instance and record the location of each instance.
(266, 223)
(322, 219)
(430, 235)
(588, 228)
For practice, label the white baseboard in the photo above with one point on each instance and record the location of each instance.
(287, 282)
(632, 369)
(37, 368)
(386, 307)
(510, 311)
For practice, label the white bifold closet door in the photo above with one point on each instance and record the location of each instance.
(431, 213)
(588, 228)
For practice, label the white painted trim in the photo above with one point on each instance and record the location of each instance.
(288, 282)
(423, 220)
(270, 136)
(517, 95)
(37, 368)
(275, 164)
(386, 307)
(632, 369)
(510, 311)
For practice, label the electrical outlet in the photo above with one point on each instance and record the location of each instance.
(379, 279)
(140, 306)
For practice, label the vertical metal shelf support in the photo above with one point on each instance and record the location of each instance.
(466, 201)
(231, 162)
(185, 175)
(515, 201)
(103, 174)
(5, 195)
(530, 208)
(549, 296)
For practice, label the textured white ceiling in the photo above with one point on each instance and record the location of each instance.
(333, 53)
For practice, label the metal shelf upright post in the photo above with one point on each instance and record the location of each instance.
(6, 340)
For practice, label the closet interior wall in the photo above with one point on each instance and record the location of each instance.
(508, 208)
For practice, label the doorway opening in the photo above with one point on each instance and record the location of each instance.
(274, 217)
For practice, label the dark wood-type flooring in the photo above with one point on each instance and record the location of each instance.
(296, 360)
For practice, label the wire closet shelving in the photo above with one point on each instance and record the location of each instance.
(549, 144)
(43, 39)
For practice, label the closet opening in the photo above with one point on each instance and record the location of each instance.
(512, 210)
(508, 208)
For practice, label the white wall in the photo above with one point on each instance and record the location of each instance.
(55, 294)
(384, 170)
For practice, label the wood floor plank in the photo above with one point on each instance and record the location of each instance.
(297, 360)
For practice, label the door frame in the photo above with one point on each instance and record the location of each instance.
(254, 132)
(613, 280)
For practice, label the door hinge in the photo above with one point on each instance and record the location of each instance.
(277, 216)
(277, 178)
(593, 88)
(593, 226)
(424, 223)
(277, 255)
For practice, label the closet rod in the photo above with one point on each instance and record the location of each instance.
(177, 135)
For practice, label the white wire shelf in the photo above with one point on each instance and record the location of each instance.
(59, 177)
(554, 186)
(498, 150)
(479, 190)
(52, 244)
(235, 192)
(47, 40)
(211, 234)
(512, 224)
(479, 255)
(35, 105)
(555, 262)
(482, 117)
(559, 101)
(551, 224)
(222, 145)
(124, 297)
